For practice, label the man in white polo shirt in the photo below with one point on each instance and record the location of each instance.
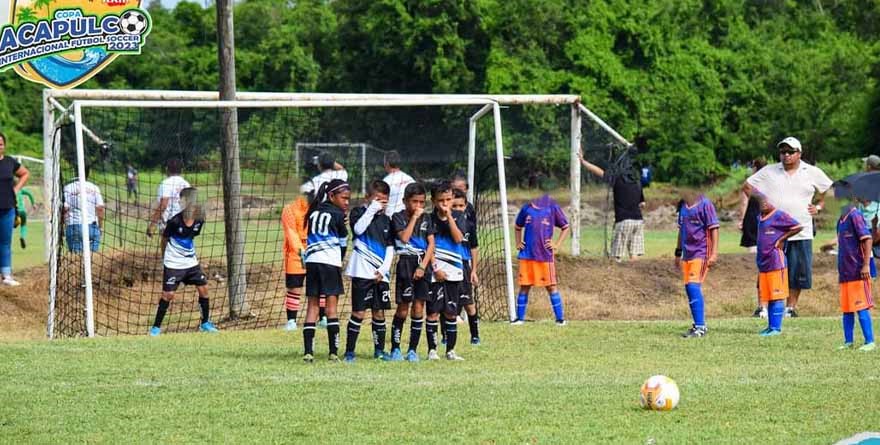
(798, 189)
(330, 170)
(397, 180)
(169, 196)
(74, 218)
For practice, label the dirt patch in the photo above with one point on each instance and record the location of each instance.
(23, 308)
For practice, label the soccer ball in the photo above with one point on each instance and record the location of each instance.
(133, 22)
(659, 393)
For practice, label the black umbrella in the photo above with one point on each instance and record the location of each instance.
(865, 186)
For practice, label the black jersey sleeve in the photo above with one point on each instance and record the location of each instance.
(399, 222)
(339, 221)
(171, 226)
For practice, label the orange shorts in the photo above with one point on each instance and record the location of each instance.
(855, 296)
(537, 273)
(694, 271)
(773, 285)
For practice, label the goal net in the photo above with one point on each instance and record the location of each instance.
(122, 147)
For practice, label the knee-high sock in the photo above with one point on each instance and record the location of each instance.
(849, 324)
(451, 333)
(556, 302)
(431, 327)
(291, 304)
(865, 323)
(309, 338)
(354, 329)
(378, 334)
(415, 332)
(695, 300)
(161, 311)
(474, 324)
(333, 334)
(205, 307)
(775, 314)
(443, 331)
(522, 302)
(397, 332)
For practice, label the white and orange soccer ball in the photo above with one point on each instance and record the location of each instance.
(659, 393)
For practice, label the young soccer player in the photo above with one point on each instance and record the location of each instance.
(470, 254)
(180, 262)
(414, 244)
(293, 224)
(370, 269)
(535, 224)
(446, 287)
(22, 215)
(326, 244)
(774, 228)
(853, 267)
(697, 251)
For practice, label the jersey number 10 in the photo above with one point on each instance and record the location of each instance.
(319, 223)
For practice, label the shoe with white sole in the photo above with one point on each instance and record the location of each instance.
(290, 326)
(432, 355)
(9, 281)
(451, 355)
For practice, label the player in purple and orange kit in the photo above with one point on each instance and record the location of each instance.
(774, 228)
(697, 251)
(534, 239)
(853, 268)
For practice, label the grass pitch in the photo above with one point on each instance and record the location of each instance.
(528, 384)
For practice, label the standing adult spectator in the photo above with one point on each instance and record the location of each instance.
(629, 200)
(798, 189)
(131, 181)
(330, 170)
(750, 211)
(10, 169)
(169, 196)
(74, 199)
(397, 180)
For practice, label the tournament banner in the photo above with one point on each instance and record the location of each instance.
(63, 43)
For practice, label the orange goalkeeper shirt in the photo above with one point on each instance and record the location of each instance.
(293, 219)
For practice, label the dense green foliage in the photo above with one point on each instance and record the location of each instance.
(706, 83)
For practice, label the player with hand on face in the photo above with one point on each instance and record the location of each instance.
(370, 269)
(469, 253)
(446, 288)
(180, 262)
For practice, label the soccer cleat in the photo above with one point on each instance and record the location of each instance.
(763, 314)
(517, 322)
(475, 341)
(309, 358)
(396, 355)
(411, 356)
(443, 341)
(432, 355)
(349, 357)
(333, 358)
(380, 355)
(770, 333)
(451, 355)
(9, 281)
(793, 313)
(695, 332)
(845, 346)
(208, 327)
(290, 326)
(322, 323)
(757, 313)
(868, 347)
(155, 331)
(764, 331)
(561, 322)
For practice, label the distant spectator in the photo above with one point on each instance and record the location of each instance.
(131, 181)
(74, 218)
(330, 170)
(168, 196)
(21, 216)
(750, 211)
(10, 169)
(629, 200)
(397, 180)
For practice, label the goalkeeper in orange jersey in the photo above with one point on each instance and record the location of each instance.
(293, 225)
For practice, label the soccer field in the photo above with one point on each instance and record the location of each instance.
(529, 384)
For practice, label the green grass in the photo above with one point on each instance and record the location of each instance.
(34, 254)
(530, 384)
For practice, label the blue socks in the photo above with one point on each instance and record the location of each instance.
(865, 323)
(775, 313)
(849, 323)
(695, 300)
(522, 301)
(556, 302)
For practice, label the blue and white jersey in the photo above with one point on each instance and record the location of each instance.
(327, 235)
(418, 242)
(370, 247)
(447, 253)
(180, 252)
(468, 227)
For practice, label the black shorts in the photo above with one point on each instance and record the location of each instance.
(466, 289)
(323, 280)
(171, 278)
(293, 281)
(368, 294)
(445, 298)
(408, 289)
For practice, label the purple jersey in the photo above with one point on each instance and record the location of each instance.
(538, 224)
(851, 230)
(770, 229)
(694, 223)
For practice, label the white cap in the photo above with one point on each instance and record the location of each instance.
(791, 142)
(872, 161)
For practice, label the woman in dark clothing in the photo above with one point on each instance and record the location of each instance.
(750, 209)
(10, 169)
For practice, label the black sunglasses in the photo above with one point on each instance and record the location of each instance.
(788, 152)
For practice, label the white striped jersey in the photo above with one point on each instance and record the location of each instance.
(180, 252)
(447, 253)
(397, 181)
(369, 248)
(327, 235)
(418, 242)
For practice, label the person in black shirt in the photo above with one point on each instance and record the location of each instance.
(10, 169)
(629, 228)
